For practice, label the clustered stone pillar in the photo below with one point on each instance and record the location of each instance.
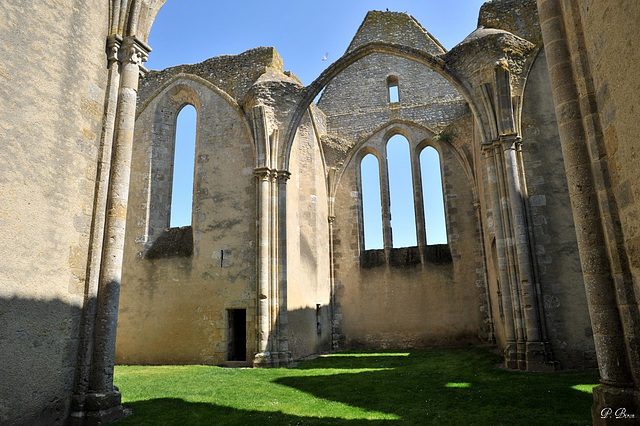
(85, 352)
(273, 341)
(263, 356)
(271, 288)
(616, 391)
(510, 352)
(96, 399)
(526, 347)
(284, 355)
(535, 355)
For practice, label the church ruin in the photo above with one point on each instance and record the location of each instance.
(529, 123)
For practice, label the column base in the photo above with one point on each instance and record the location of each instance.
(285, 359)
(538, 359)
(97, 408)
(615, 405)
(272, 359)
(263, 360)
(511, 356)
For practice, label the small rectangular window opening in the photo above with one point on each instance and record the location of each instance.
(392, 89)
(237, 343)
(393, 94)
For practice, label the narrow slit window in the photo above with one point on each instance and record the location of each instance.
(318, 319)
(433, 197)
(183, 168)
(392, 87)
(371, 202)
(403, 222)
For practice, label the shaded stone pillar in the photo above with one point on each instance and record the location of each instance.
(535, 350)
(274, 294)
(617, 388)
(284, 354)
(510, 351)
(510, 263)
(263, 357)
(331, 185)
(103, 399)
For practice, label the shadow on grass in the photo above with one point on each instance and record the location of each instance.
(438, 387)
(178, 412)
(433, 387)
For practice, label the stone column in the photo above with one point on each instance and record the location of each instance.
(103, 400)
(263, 357)
(284, 355)
(83, 369)
(509, 257)
(274, 295)
(617, 388)
(418, 201)
(510, 351)
(385, 197)
(535, 350)
(331, 179)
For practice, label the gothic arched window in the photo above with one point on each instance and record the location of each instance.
(183, 167)
(433, 197)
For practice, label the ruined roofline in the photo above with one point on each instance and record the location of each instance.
(389, 16)
(234, 74)
(260, 51)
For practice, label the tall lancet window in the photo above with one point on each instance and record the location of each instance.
(371, 202)
(433, 197)
(183, 167)
(403, 222)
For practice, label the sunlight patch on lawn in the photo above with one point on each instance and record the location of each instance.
(246, 390)
(333, 371)
(584, 388)
(457, 385)
(364, 355)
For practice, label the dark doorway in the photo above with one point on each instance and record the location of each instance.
(237, 347)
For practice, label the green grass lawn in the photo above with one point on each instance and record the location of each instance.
(439, 386)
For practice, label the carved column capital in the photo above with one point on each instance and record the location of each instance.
(134, 51)
(510, 141)
(283, 176)
(488, 149)
(114, 43)
(263, 173)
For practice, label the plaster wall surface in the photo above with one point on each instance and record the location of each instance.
(174, 304)
(309, 286)
(52, 94)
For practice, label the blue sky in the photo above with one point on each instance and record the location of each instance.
(190, 31)
(303, 33)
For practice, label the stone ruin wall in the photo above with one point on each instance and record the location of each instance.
(402, 302)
